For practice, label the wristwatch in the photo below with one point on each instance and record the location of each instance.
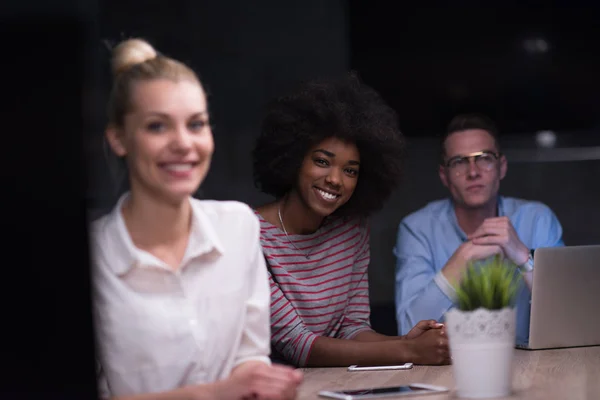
(527, 266)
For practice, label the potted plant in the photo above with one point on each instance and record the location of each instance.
(481, 329)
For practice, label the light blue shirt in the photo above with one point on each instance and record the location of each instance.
(427, 239)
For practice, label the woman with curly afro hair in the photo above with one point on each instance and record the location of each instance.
(331, 154)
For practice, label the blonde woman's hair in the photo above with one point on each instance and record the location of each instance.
(135, 60)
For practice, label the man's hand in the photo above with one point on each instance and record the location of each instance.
(500, 232)
(421, 327)
(466, 252)
(258, 381)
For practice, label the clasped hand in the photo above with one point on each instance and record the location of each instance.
(430, 343)
(500, 232)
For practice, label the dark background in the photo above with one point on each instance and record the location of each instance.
(46, 339)
(433, 62)
(529, 68)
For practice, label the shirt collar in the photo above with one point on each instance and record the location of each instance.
(501, 206)
(125, 255)
(203, 236)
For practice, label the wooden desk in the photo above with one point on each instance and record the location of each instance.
(565, 374)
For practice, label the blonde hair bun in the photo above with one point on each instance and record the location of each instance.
(131, 52)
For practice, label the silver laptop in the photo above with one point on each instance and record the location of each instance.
(565, 303)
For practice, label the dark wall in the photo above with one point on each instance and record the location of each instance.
(245, 53)
(47, 340)
(528, 67)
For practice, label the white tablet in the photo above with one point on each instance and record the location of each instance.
(353, 368)
(376, 393)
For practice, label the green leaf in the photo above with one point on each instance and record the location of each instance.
(490, 284)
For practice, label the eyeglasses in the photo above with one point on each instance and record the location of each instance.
(484, 160)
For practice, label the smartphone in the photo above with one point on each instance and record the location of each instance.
(379, 367)
(415, 389)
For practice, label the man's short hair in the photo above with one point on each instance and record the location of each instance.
(463, 122)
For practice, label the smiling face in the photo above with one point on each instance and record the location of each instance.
(476, 187)
(328, 176)
(166, 139)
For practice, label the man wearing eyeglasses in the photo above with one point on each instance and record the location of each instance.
(435, 243)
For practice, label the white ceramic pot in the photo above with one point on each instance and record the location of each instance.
(482, 349)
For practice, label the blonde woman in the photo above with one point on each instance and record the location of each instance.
(181, 292)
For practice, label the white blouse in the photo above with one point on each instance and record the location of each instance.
(159, 329)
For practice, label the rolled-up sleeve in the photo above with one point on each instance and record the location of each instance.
(358, 310)
(420, 291)
(290, 337)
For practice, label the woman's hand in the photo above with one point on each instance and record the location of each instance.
(430, 348)
(423, 326)
(259, 381)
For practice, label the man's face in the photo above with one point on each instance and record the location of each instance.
(473, 181)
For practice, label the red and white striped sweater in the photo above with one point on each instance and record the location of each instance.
(326, 294)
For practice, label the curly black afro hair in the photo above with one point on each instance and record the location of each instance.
(345, 109)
